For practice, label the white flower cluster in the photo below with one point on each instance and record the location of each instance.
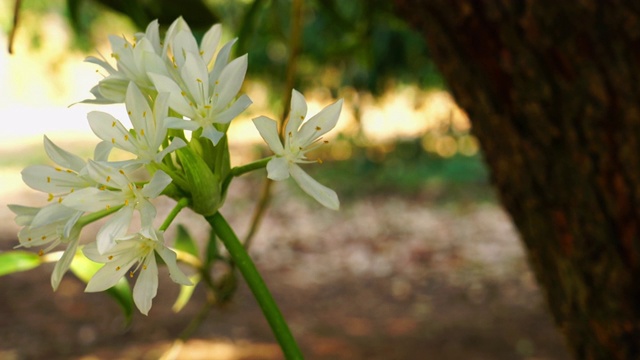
(168, 86)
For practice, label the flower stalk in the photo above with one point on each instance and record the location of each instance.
(259, 289)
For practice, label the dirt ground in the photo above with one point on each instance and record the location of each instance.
(387, 277)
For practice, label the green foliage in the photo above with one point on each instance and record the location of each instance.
(16, 261)
(184, 241)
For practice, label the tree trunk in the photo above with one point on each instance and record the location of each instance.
(553, 92)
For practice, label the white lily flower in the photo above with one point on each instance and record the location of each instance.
(179, 41)
(149, 128)
(57, 181)
(117, 189)
(55, 227)
(207, 98)
(128, 251)
(133, 61)
(300, 138)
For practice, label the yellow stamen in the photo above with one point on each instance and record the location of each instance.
(48, 179)
(50, 197)
(40, 253)
(113, 124)
(110, 257)
(108, 178)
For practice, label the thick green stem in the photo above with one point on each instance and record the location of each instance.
(256, 284)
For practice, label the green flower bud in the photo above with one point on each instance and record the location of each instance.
(204, 185)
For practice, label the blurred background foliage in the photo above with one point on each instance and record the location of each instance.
(356, 49)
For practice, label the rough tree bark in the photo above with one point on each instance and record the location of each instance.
(552, 88)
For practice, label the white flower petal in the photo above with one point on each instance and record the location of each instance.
(51, 180)
(175, 123)
(52, 213)
(210, 42)
(230, 82)
(177, 101)
(234, 110)
(196, 78)
(102, 151)
(298, 112)
(108, 275)
(63, 157)
(175, 273)
(158, 182)
(63, 264)
(221, 61)
(109, 129)
(278, 169)
(321, 193)
(211, 133)
(92, 199)
(268, 129)
(146, 286)
(320, 124)
(137, 108)
(114, 228)
(24, 214)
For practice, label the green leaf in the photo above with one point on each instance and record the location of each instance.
(84, 269)
(184, 241)
(16, 261)
(186, 291)
(204, 185)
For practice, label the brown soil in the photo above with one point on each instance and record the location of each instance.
(384, 278)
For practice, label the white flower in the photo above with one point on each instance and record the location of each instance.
(49, 226)
(60, 180)
(133, 61)
(148, 133)
(128, 251)
(117, 189)
(179, 41)
(207, 98)
(300, 138)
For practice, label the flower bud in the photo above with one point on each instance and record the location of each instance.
(204, 185)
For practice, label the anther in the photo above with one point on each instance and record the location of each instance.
(113, 124)
(110, 257)
(117, 268)
(126, 138)
(40, 253)
(121, 171)
(108, 178)
(48, 179)
(50, 197)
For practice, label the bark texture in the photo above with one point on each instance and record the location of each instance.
(553, 92)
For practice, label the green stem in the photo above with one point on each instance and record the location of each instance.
(256, 284)
(182, 203)
(241, 170)
(95, 216)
